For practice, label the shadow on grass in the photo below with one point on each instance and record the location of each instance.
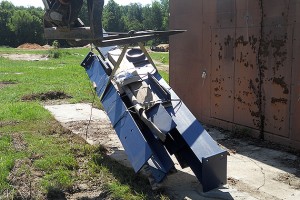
(55, 193)
(179, 185)
(126, 176)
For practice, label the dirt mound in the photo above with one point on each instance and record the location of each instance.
(53, 95)
(47, 46)
(161, 48)
(30, 46)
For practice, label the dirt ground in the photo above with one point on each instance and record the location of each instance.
(26, 57)
(34, 46)
(254, 172)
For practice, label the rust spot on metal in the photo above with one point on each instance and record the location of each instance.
(246, 93)
(219, 56)
(240, 40)
(241, 57)
(253, 41)
(255, 114)
(228, 40)
(278, 100)
(282, 83)
(239, 99)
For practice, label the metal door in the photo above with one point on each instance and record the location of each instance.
(223, 56)
(275, 64)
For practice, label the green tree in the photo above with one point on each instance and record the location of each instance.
(20, 24)
(112, 17)
(26, 26)
(153, 16)
(156, 16)
(132, 17)
(165, 14)
(7, 36)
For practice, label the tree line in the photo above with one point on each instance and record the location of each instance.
(20, 24)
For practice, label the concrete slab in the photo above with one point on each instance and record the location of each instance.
(254, 172)
(75, 112)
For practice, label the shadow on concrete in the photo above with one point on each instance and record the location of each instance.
(274, 155)
(183, 185)
(179, 185)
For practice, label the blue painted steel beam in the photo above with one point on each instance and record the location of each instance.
(186, 137)
(138, 149)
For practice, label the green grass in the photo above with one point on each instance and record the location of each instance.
(63, 74)
(162, 57)
(164, 75)
(7, 157)
(22, 111)
(52, 149)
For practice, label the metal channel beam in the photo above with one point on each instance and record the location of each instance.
(185, 136)
(140, 147)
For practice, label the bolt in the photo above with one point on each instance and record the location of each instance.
(204, 74)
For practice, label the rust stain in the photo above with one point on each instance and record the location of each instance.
(228, 40)
(280, 81)
(253, 41)
(279, 100)
(220, 56)
(240, 40)
(255, 114)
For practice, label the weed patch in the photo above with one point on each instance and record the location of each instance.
(24, 180)
(8, 155)
(18, 142)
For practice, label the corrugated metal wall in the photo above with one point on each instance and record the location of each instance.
(237, 66)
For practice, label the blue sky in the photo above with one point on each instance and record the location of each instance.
(39, 3)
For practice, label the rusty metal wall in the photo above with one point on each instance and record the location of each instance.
(295, 88)
(189, 73)
(236, 64)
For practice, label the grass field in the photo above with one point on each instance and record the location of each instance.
(162, 57)
(36, 152)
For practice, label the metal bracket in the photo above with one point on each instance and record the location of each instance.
(147, 55)
(85, 34)
(116, 67)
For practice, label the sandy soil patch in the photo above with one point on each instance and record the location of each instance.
(26, 57)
